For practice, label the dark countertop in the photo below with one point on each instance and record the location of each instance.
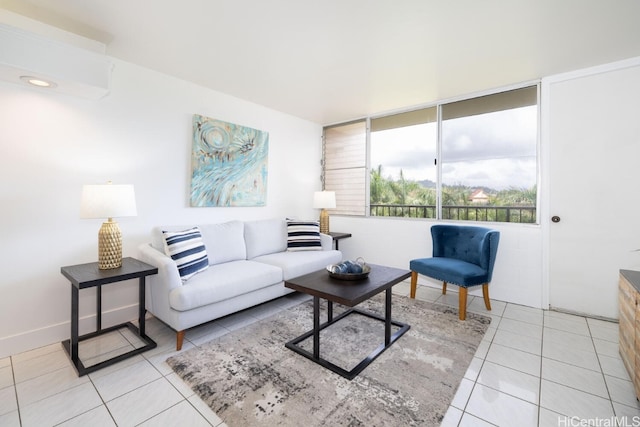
(633, 277)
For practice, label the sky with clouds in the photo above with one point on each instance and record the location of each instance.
(495, 150)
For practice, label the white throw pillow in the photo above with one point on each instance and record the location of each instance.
(187, 249)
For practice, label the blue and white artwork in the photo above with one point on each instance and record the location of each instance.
(228, 164)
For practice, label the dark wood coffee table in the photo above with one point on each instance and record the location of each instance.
(349, 293)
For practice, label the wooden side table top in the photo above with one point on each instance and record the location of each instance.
(88, 275)
(633, 277)
(347, 292)
(339, 235)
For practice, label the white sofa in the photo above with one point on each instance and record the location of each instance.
(248, 264)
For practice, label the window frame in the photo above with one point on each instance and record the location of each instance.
(535, 85)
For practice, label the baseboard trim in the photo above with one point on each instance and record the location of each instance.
(581, 314)
(36, 338)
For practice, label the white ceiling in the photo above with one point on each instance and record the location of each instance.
(335, 60)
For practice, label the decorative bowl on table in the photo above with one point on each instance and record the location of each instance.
(349, 270)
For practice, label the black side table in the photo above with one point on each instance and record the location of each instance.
(337, 236)
(84, 276)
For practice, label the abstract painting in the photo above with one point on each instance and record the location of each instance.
(228, 164)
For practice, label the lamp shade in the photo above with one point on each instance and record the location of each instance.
(107, 201)
(324, 200)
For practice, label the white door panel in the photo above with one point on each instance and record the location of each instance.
(594, 188)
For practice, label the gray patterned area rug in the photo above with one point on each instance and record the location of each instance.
(249, 378)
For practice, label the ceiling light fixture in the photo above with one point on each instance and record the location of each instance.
(35, 81)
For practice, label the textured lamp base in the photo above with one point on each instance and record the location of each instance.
(324, 221)
(109, 246)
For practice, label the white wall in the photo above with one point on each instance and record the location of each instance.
(522, 270)
(51, 144)
(517, 275)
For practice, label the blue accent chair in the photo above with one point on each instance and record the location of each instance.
(462, 255)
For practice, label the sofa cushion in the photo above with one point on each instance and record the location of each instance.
(224, 241)
(294, 264)
(188, 251)
(223, 281)
(303, 236)
(265, 237)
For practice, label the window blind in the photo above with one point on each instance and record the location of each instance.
(408, 118)
(345, 166)
(491, 103)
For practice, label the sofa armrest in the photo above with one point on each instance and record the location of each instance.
(326, 241)
(159, 285)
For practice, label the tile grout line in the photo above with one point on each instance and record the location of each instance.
(497, 390)
(491, 343)
(604, 378)
(475, 381)
(541, 363)
(184, 398)
(15, 388)
(601, 371)
(91, 409)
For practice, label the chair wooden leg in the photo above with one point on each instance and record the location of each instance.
(485, 294)
(444, 288)
(463, 303)
(179, 340)
(414, 284)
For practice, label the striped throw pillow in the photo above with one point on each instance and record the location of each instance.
(187, 249)
(303, 236)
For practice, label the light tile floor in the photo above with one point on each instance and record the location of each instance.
(533, 368)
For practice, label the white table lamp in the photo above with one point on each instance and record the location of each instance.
(324, 200)
(108, 201)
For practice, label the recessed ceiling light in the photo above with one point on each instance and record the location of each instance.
(35, 81)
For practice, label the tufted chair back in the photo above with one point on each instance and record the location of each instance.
(475, 245)
(463, 255)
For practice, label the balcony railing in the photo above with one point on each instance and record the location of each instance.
(519, 214)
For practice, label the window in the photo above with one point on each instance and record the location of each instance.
(403, 173)
(486, 169)
(489, 157)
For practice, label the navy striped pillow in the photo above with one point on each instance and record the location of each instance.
(303, 236)
(187, 249)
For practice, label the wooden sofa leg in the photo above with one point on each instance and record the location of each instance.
(463, 303)
(485, 294)
(179, 340)
(444, 288)
(414, 284)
